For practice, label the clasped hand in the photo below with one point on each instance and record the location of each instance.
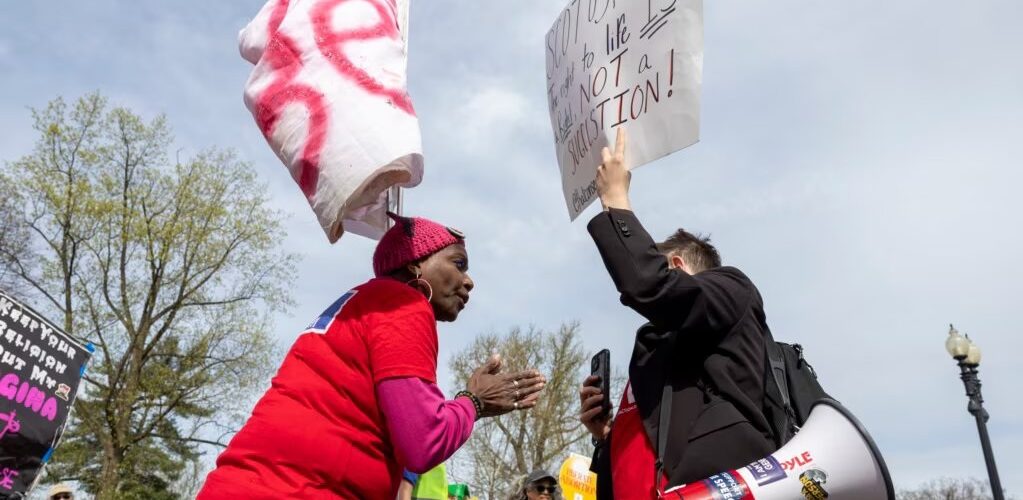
(501, 393)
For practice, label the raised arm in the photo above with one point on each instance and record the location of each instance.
(668, 298)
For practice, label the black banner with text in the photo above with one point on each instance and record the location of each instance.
(40, 370)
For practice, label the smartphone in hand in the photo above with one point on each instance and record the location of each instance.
(600, 366)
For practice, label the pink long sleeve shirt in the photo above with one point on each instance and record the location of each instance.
(425, 428)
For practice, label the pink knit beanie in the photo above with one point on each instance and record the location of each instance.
(411, 239)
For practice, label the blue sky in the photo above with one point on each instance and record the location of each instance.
(860, 161)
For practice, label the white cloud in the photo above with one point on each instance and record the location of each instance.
(487, 108)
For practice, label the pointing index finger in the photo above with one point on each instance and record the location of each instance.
(620, 142)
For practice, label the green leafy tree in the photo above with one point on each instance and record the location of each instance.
(170, 267)
(503, 450)
(13, 234)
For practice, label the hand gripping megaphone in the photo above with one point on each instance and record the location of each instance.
(831, 457)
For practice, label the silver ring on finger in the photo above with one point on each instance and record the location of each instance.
(515, 405)
(516, 394)
(516, 383)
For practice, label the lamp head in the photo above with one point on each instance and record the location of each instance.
(973, 355)
(957, 345)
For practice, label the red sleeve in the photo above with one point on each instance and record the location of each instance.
(402, 341)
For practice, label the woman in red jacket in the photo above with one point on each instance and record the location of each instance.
(356, 398)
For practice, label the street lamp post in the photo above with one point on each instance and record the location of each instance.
(967, 354)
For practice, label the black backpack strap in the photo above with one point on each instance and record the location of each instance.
(778, 379)
(662, 433)
(664, 420)
(779, 374)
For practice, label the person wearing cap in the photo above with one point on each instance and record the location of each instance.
(60, 491)
(539, 485)
(356, 398)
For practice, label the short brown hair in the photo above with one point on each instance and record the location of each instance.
(695, 249)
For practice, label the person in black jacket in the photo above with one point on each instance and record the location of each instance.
(698, 364)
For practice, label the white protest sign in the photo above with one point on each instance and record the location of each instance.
(632, 63)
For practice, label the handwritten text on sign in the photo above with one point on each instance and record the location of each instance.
(610, 63)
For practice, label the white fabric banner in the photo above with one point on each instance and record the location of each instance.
(632, 63)
(328, 91)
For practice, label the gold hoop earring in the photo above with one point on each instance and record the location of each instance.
(429, 289)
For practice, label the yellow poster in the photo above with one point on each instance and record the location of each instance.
(576, 480)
